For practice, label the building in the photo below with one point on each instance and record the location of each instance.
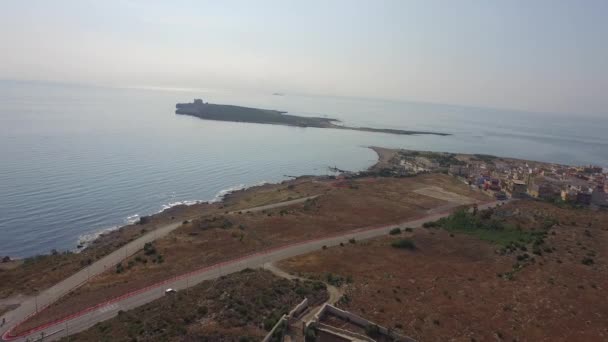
(519, 188)
(599, 197)
(426, 162)
(494, 184)
(583, 198)
(549, 192)
(459, 170)
(591, 169)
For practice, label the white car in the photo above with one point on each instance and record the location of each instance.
(170, 291)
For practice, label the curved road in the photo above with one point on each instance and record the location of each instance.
(103, 311)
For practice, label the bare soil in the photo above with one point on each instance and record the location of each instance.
(219, 237)
(40, 272)
(452, 286)
(242, 306)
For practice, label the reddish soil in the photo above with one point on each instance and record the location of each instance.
(238, 307)
(220, 237)
(448, 288)
(40, 272)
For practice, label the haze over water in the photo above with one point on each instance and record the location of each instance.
(76, 160)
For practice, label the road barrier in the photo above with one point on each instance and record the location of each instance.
(8, 336)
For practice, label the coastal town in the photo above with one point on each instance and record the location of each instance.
(373, 255)
(504, 177)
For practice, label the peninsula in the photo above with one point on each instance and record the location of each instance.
(419, 229)
(210, 111)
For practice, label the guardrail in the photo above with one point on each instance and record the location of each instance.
(8, 336)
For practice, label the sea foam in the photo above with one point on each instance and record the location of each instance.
(87, 239)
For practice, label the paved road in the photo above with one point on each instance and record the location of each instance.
(104, 311)
(33, 304)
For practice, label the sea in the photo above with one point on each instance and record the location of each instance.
(77, 161)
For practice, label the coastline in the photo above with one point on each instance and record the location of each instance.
(186, 209)
(86, 239)
(118, 235)
(225, 198)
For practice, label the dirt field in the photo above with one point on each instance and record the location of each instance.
(214, 238)
(40, 272)
(455, 287)
(239, 307)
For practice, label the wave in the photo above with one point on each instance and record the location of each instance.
(87, 239)
(174, 204)
(132, 219)
(225, 192)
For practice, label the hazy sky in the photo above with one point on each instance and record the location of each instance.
(531, 54)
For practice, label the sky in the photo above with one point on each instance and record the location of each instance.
(542, 55)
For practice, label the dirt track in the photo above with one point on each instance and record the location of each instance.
(108, 309)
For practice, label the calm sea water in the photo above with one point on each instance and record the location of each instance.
(77, 160)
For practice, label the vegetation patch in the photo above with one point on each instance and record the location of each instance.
(487, 228)
(404, 244)
(395, 231)
(240, 307)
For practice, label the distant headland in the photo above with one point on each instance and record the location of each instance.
(210, 111)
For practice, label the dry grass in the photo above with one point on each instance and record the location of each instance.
(206, 241)
(454, 288)
(241, 306)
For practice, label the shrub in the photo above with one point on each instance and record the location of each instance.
(149, 249)
(430, 224)
(226, 223)
(202, 310)
(587, 261)
(372, 330)
(310, 335)
(395, 231)
(353, 241)
(404, 243)
(409, 230)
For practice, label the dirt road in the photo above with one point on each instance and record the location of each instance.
(103, 311)
(31, 305)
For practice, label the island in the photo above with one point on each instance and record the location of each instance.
(210, 111)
